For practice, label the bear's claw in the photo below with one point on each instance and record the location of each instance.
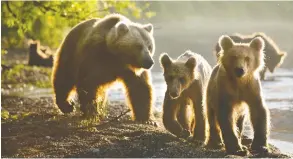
(184, 134)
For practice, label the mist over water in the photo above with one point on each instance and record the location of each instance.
(197, 25)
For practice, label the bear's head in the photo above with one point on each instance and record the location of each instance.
(178, 75)
(241, 60)
(274, 57)
(133, 43)
(275, 61)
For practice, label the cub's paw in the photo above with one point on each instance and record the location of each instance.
(240, 152)
(260, 149)
(184, 134)
(215, 145)
(244, 147)
(65, 107)
(193, 140)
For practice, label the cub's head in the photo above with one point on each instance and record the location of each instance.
(240, 60)
(274, 56)
(178, 74)
(133, 43)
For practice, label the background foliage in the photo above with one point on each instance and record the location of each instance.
(49, 21)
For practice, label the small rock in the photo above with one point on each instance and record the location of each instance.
(48, 137)
(95, 150)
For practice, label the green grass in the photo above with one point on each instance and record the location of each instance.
(29, 75)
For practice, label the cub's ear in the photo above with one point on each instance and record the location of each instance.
(122, 28)
(257, 44)
(226, 42)
(191, 63)
(165, 60)
(148, 27)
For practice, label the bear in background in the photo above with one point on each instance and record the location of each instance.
(274, 57)
(186, 79)
(39, 55)
(98, 52)
(233, 93)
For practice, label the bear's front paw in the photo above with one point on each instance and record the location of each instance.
(89, 110)
(184, 134)
(65, 107)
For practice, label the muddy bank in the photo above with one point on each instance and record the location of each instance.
(35, 128)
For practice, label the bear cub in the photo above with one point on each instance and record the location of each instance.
(233, 93)
(186, 80)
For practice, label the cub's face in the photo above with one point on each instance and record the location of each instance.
(240, 60)
(178, 75)
(133, 43)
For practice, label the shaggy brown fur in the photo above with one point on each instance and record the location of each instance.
(186, 79)
(274, 57)
(233, 91)
(38, 55)
(98, 52)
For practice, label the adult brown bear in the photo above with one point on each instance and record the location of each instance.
(98, 52)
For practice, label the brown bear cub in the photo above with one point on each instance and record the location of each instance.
(274, 57)
(233, 93)
(186, 78)
(98, 52)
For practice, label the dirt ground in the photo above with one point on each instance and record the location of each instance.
(35, 128)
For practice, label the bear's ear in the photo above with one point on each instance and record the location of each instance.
(148, 27)
(226, 42)
(283, 54)
(122, 28)
(165, 60)
(191, 63)
(257, 44)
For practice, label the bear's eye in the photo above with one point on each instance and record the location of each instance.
(150, 48)
(182, 80)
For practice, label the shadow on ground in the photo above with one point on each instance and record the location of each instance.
(35, 128)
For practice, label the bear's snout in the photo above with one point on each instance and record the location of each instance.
(239, 72)
(148, 63)
(174, 94)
